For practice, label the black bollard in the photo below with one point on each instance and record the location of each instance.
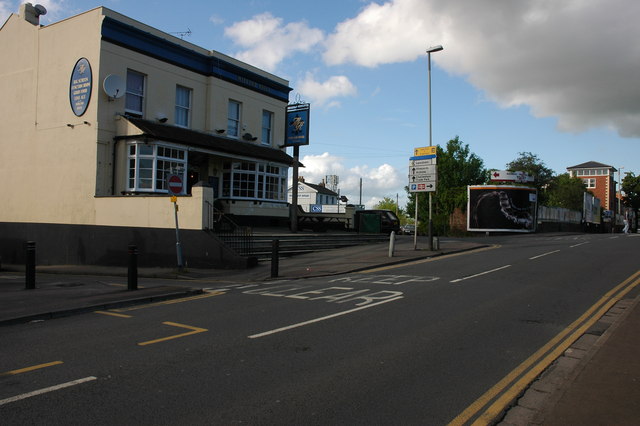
(275, 245)
(30, 267)
(132, 275)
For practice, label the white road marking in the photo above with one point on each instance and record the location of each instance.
(301, 324)
(543, 254)
(481, 273)
(577, 245)
(47, 390)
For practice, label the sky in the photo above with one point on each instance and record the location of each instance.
(557, 78)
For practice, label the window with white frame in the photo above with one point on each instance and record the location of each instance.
(589, 183)
(134, 100)
(183, 106)
(267, 127)
(261, 181)
(233, 119)
(150, 164)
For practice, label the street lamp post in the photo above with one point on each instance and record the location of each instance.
(620, 189)
(430, 50)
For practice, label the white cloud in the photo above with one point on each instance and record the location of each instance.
(377, 182)
(324, 93)
(267, 41)
(572, 60)
(216, 20)
(382, 33)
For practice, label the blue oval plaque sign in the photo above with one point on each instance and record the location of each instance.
(80, 87)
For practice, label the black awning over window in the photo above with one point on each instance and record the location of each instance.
(192, 138)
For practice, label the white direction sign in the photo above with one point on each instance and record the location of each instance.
(422, 178)
(423, 172)
(423, 162)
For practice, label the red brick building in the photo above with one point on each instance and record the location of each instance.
(599, 179)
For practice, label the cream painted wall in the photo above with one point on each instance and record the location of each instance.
(154, 211)
(59, 169)
(253, 104)
(51, 177)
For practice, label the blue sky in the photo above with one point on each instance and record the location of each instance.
(559, 79)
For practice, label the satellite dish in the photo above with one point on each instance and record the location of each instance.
(40, 10)
(113, 86)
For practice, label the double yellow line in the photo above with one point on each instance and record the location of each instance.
(486, 408)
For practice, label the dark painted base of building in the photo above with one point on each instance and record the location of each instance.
(58, 244)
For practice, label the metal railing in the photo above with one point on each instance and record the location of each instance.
(238, 238)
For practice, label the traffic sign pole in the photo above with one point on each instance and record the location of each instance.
(178, 246)
(174, 186)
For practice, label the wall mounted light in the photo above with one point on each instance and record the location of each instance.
(249, 137)
(86, 123)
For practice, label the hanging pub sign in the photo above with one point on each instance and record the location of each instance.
(80, 87)
(297, 125)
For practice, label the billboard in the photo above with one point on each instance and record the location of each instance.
(591, 208)
(501, 208)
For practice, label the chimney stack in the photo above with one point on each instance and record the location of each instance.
(31, 13)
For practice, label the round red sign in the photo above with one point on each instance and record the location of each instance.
(174, 184)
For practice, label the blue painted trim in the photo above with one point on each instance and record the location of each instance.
(422, 157)
(148, 44)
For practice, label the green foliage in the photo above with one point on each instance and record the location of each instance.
(566, 192)
(631, 188)
(530, 163)
(389, 204)
(457, 168)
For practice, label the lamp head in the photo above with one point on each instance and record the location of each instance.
(435, 49)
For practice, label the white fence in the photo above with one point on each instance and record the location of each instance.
(558, 214)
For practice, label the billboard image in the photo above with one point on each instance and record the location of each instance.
(591, 209)
(501, 208)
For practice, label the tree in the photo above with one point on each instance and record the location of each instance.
(457, 167)
(530, 163)
(566, 192)
(631, 188)
(388, 204)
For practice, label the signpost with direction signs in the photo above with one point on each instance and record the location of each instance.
(423, 174)
(423, 177)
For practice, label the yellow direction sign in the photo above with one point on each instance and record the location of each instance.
(427, 150)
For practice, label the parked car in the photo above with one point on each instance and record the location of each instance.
(408, 229)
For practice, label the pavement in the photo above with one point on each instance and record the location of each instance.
(594, 382)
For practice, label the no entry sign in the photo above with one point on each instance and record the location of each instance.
(174, 184)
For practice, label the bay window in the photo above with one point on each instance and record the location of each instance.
(149, 165)
(248, 180)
